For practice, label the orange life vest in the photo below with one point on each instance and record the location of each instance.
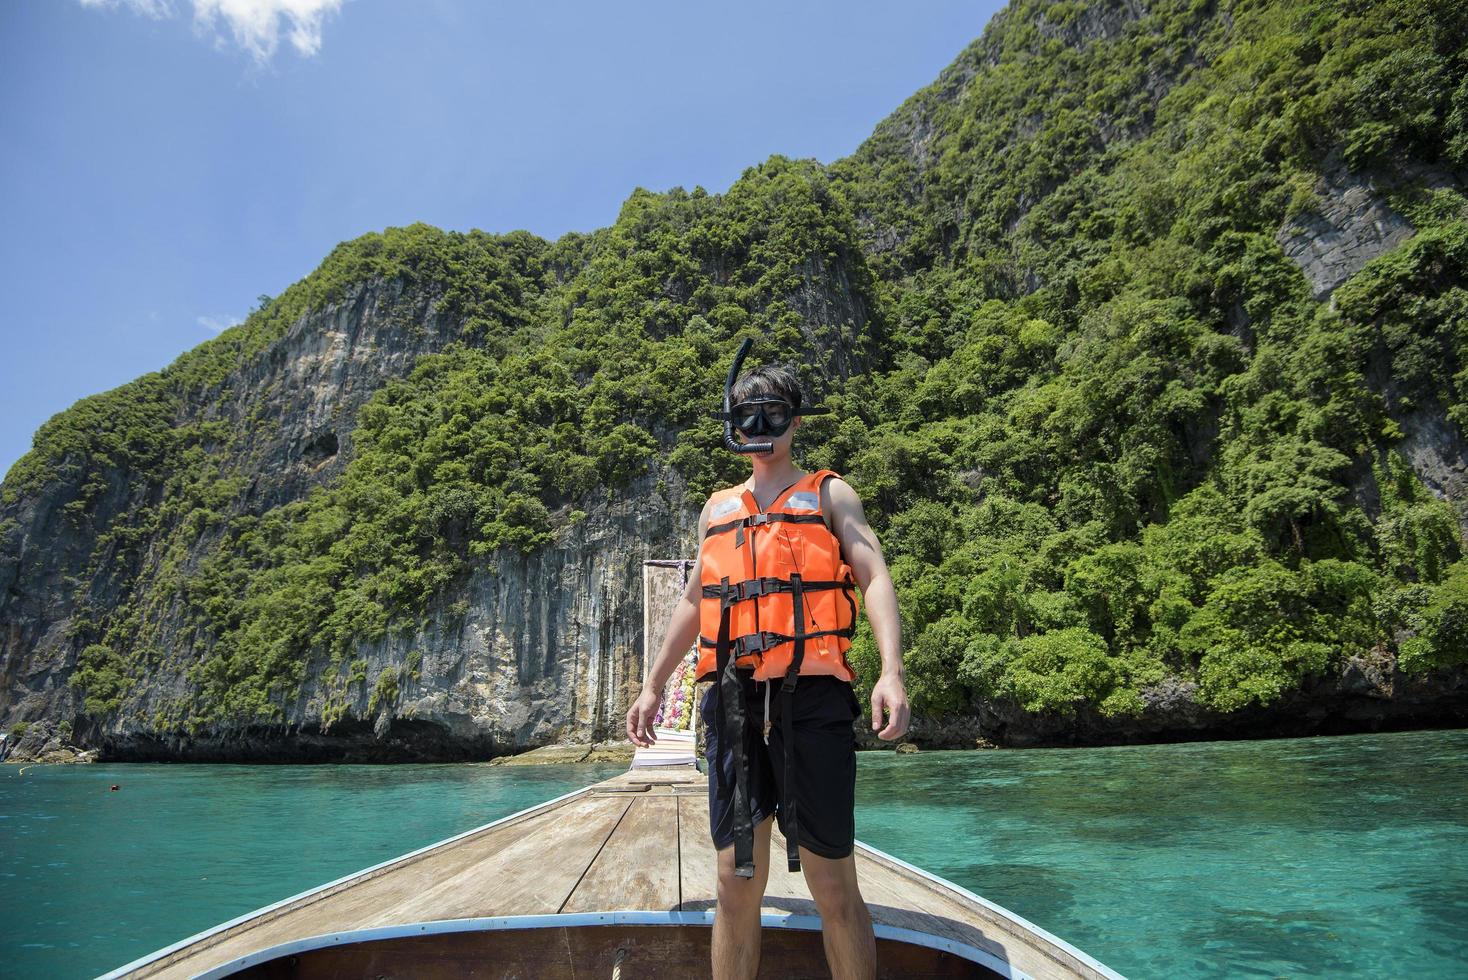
(762, 566)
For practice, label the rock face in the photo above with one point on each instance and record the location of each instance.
(549, 649)
(1352, 226)
(1352, 222)
(1437, 452)
(306, 387)
(543, 649)
(913, 140)
(50, 742)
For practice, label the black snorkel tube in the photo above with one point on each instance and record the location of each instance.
(730, 443)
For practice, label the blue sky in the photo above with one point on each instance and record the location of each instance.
(165, 162)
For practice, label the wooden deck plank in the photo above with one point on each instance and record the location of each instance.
(460, 880)
(698, 869)
(637, 869)
(904, 903)
(503, 869)
(902, 898)
(534, 875)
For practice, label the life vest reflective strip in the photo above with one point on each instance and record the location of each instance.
(804, 571)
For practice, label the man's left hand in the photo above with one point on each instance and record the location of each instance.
(888, 695)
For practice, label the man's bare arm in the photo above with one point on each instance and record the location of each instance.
(864, 554)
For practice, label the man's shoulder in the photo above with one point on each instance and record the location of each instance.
(833, 486)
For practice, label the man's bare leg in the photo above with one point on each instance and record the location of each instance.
(846, 925)
(736, 918)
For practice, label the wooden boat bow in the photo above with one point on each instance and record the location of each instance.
(619, 874)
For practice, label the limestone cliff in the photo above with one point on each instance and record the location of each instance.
(534, 649)
(1142, 326)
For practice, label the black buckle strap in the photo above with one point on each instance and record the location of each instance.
(759, 519)
(753, 588)
(765, 640)
(749, 642)
(756, 642)
(787, 709)
(733, 734)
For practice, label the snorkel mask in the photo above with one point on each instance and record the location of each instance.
(763, 416)
(769, 417)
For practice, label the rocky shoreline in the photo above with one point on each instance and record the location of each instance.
(47, 742)
(571, 752)
(1366, 694)
(1365, 697)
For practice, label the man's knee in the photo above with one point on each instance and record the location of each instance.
(832, 883)
(738, 894)
(736, 890)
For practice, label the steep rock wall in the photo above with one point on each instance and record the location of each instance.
(544, 651)
(550, 650)
(305, 389)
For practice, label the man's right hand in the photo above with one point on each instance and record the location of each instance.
(640, 716)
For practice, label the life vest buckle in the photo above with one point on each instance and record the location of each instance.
(757, 519)
(758, 642)
(752, 588)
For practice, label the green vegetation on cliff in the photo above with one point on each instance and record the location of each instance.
(1105, 431)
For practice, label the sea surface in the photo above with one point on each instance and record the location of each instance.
(1342, 856)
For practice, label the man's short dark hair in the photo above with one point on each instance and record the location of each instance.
(767, 381)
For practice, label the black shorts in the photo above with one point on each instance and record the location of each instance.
(825, 761)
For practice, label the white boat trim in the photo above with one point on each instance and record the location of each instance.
(791, 920)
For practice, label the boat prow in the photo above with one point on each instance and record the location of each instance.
(616, 875)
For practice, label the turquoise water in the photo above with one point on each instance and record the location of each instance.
(1344, 856)
(91, 879)
(1329, 857)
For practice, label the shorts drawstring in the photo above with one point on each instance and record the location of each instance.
(767, 711)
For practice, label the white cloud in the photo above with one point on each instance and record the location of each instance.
(219, 324)
(148, 8)
(254, 25)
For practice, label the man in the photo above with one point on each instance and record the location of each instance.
(805, 538)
